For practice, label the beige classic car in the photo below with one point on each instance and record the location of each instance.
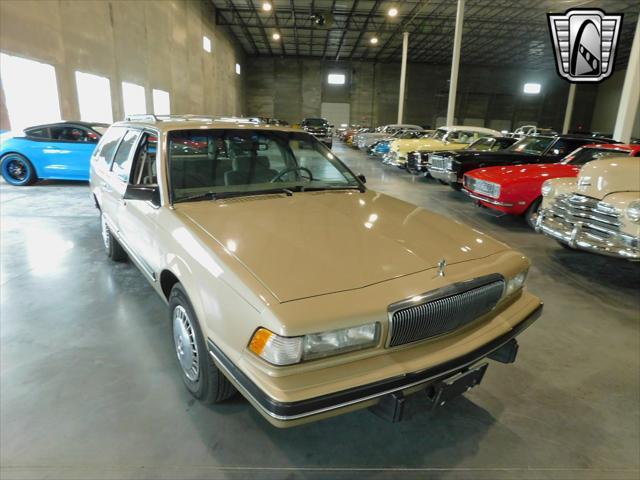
(599, 211)
(290, 281)
(444, 139)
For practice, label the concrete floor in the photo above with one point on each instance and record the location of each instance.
(89, 386)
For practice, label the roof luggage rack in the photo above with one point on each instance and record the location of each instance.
(148, 117)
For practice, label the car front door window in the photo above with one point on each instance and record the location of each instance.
(121, 166)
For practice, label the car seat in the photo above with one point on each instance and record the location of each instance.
(246, 170)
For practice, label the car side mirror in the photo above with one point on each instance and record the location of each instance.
(362, 178)
(144, 193)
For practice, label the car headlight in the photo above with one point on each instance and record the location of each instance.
(546, 189)
(633, 211)
(515, 283)
(280, 350)
(448, 163)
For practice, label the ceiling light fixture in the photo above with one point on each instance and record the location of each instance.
(393, 11)
(266, 6)
(276, 36)
(374, 40)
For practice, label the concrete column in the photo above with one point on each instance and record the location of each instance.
(455, 63)
(403, 75)
(628, 109)
(569, 111)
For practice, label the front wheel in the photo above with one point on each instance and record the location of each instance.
(17, 170)
(199, 373)
(531, 215)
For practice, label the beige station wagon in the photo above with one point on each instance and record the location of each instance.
(599, 211)
(289, 281)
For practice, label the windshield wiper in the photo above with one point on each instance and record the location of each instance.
(345, 187)
(221, 195)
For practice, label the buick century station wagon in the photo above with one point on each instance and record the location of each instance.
(291, 282)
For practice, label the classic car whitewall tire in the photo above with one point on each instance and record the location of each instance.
(200, 375)
(114, 250)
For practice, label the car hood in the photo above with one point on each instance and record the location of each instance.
(514, 173)
(424, 145)
(600, 178)
(316, 243)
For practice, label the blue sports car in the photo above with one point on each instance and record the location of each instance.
(59, 151)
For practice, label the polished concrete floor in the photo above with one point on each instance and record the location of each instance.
(89, 386)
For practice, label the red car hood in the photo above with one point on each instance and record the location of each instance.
(518, 173)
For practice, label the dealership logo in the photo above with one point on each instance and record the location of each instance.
(585, 42)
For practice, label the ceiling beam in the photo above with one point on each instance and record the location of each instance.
(262, 30)
(247, 34)
(364, 26)
(344, 32)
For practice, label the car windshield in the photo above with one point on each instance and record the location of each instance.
(440, 134)
(221, 162)
(581, 156)
(314, 122)
(101, 129)
(462, 136)
(535, 145)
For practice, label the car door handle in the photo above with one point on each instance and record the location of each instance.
(106, 187)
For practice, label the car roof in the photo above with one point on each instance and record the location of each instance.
(69, 122)
(453, 128)
(188, 122)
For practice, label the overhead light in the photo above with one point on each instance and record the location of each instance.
(393, 11)
(374, 40)
(266, 6)
(318, 19)
(532, 88)
(276, 36)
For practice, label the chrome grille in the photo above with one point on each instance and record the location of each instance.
(445, 310)
(597, 217)
(489, 189)
(438, 162)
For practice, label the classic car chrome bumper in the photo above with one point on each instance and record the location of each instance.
(579, 235)
(282, 413)
(487, 199)
(442, 174)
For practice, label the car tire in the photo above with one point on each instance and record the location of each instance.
(531, 215)
(17, 170)
(113, 248)
(456, 186)
(564, 245)
(199, 373)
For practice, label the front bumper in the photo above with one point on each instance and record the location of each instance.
(488, 200)
(577, 235)
(285, 414)
(445, 175)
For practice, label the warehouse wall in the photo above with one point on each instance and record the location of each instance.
(486, 96)
(156, 44)
(607, 103)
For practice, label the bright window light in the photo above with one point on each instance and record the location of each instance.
(133, 99)
(238, 68)
(206, 44)
(336, 79)
(161, 102)
(532, 88)
(94, 98)
(30, 91)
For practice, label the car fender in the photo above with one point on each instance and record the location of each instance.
(560, 186)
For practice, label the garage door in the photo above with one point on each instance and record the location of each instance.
(337, 113)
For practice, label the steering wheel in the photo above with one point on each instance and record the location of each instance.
(292, 169)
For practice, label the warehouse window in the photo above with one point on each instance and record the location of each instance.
(161, 102)
(133, 99)
(206, 44)
(238, 68)
(336, 78)
(94, 98)
(30, 91)
(532, 88)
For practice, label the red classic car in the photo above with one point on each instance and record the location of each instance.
(516, 189)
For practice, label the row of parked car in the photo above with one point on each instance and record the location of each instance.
(581, 190)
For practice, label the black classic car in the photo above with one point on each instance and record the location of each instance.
(418, 162)
(450, 167)
(319, 128)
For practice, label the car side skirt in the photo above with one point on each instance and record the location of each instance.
(284, 412)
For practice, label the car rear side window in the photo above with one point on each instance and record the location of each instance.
(108, 144)
(122, 161)
(37, 132)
